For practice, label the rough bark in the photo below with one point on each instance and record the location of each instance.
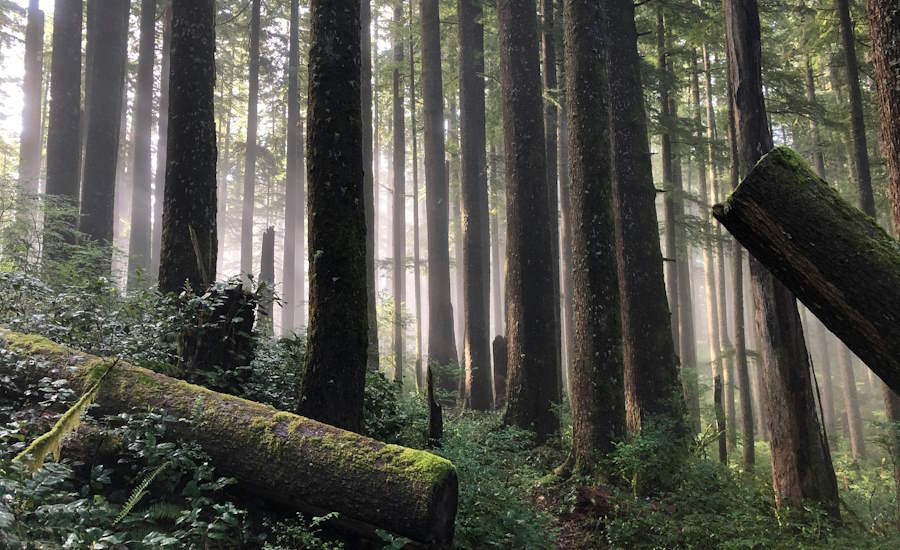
(720, 418)
(334, 380)
(189, 247)
(830, 244)
(142, 174)
(399, 202)
(476, 245)
(441, 338)
(533, 385)
(500, 361)
(293, 209)
(30, 143)
(365, 19)
(801, 463)
(292, 461)
(598, 395)
(247, 204)
(267, 280)
(63, 132)
(161, 142)
(435, 413)
(652, 385)
(565, 230)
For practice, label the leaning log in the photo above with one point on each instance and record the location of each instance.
(834, 258)
(290, 460)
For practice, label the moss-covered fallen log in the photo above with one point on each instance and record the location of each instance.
(290, 460)
(834, 258)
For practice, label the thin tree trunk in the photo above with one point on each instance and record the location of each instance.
(161, 144)
(30, 142)
(142, 173)
(248, 201)
(293, 211)
(334, 379)
(598, 398)
(496, 262)
(104, 122)
(851, 405)
(266, 281)
(417, 276)
(188, 251)
(801, 463)
(399, 228)
(475, 222)
(533, 385)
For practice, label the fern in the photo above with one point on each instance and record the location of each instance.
(139, 493)
(164, 511)
(50, 442)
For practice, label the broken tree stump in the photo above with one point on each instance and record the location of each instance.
(287, 459)
(834, 258)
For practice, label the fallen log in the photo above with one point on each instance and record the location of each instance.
(290, 460)
(834, 258)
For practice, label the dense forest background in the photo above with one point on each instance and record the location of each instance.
(588, 330)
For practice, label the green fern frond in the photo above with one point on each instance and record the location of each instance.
(164, 511)
(139, 493)
(50, 442)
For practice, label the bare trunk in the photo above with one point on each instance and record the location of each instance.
(30, 142)
(399, 202)
(248, 200)
(159, 180)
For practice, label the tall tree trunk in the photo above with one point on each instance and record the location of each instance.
(818, 155)
(64, 127)
(365, 20)
(248, 202)
(851, 404)
(441, 339)
(598, 395)
(161, 141)
(565, 210)
(497, 195)
(399, 209)
(188, 252)
(142, 173)
(801, 463)
(475, 223)
(417, 274)
(333, 384)
(293, 210)
(548, 71)
(30, 142)
(266, 281)
(651, 373)
(884, 28)
(533, 385)
(104, 122)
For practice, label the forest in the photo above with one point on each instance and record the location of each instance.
(526, 274)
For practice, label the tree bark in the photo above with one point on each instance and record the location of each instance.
(189, 247)
(30, 143)
(720, 418)
(533, 385)
(161, 142)
(293, 208)
(851, 405)
(295, 462)
(598, 395)
(333, 384)
(441, 339)
(248, 200)
(801, 463)
(267, 281)
(142, 172)
(399, 203)
(500, 362)
(417, 265)
(475, 223)
(652, 385)
(365, 20)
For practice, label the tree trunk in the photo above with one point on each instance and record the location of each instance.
(189, 247)
(500, 363)
(30, 143)
(801, 463)
(818, 155)
(565, 229)
(161, 143)
(598, 398)
(248, 200)
(533, 385)
(476, 245)
(651, 372)
(399, 204)
(548, 71)
(365, 20)
(831, 243)
(267, 281)
(435, 413)
(720, 418)
(441, 339)
(497, 195)
(142, 174)
(293, 210)
(104, 120)
(333, 384)
(295, 462)
(851, 405)
(417, 273)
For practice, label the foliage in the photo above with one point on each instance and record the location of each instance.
(300, 534)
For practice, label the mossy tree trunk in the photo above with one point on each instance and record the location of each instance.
(292, 461)
(189, 243)
(334, 379)
(801, 463)
(652, 384)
